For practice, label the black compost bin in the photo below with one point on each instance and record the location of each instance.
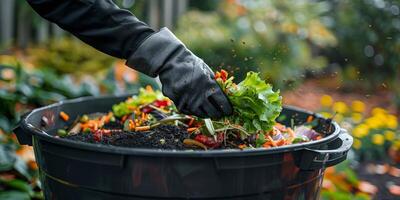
(77, 170)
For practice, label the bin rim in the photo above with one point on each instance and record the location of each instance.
(37, 132)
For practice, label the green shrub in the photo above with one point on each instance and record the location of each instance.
(274, 37)
(368, 34)
(69, 56)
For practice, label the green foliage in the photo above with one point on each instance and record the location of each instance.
(368, 34)
(144, 97)
(68, 56)
(274, 37)
(22, 90)
(255, 104)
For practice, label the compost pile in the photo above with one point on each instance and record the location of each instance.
(150, 120)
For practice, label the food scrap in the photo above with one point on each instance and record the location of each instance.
(253, 124)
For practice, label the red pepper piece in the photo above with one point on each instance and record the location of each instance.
(224, 75)
(161, 103)
(147, 109)
(209, 141)
(97, 135)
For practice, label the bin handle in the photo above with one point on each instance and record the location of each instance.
(24, 137)
(313, 159)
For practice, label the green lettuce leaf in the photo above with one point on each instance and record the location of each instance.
(144, 97)
(255, 105)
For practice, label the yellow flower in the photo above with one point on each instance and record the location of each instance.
(326, 114)
(374, 122)
(396, 144)
(356, 117)
(340, 107)
(326, 100)
(378, 110)
(360, 131)
(391, 121)
(378, 139)
(390, 135)
(357, 144)
(358, 106)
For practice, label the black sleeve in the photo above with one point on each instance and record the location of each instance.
(99, 23)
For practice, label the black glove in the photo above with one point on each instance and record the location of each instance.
(185, 78)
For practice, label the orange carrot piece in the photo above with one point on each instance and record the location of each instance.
(108, 117)
(242, 146)
(143, 115)
(191, 122)
(280, 142)
(124, 118)
(310, 118)
(266, 145)
(190, 130)
(142, 128)
(217, 75)
(132, 125)
(273, 143)
(64, 116)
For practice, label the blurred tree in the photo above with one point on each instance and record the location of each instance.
(274, 37)
(368, 33)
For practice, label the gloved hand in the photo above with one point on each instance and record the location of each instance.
(185, 78)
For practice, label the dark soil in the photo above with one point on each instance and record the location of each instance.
(162, 137)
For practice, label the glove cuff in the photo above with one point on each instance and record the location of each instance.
(151, 55)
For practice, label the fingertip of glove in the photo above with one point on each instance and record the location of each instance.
(221, 102)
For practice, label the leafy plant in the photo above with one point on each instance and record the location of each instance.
(368, 52)
(69, 56)
(265, 36)
(21, 90)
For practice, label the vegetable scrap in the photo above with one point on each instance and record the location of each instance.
(253, 124)
(64, 116)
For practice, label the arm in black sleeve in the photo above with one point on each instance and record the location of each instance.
(99, 23)
(186, 79)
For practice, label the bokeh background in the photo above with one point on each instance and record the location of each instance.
(339, 58)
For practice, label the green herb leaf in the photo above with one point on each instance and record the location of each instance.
(126, 125)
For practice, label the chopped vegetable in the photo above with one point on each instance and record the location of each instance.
(145, 96)
(190, 143)
(61, 132)
(142, 128)
(75, 129)
(64, 116)
(189, 130)
(84, 118)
